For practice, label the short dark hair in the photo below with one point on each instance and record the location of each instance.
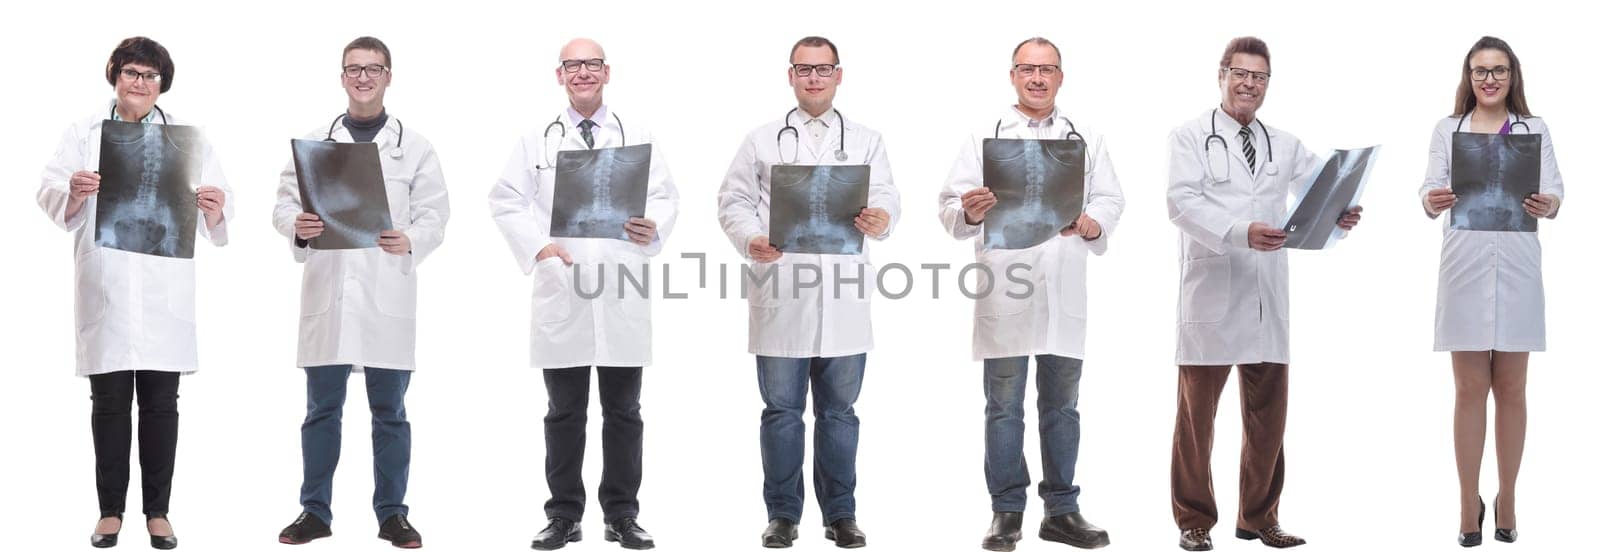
(1466, 101)
(815, 42)
(369, 43)
(1245, 45)
(142, 51)
(1039, 40)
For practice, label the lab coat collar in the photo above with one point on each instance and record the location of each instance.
(830, 139)
(386, 136)
(1014, 122)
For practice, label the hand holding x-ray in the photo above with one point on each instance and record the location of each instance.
(1265, 237)
(1440, 199)
(84, 185)
(1085, 226)
(1350, 218)
(394, 242)
(872, 221)
(307, 226)
(1539, 205)
(976, 203)
(762, 250)
(640, 230)
(210, 200)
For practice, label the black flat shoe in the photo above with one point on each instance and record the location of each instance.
(629, 534)
(159, 542)
(1469, 540)
(556, 535)
(1004, 532)
(1501, 534)
(106, 540)
(399, 532)
(845, 534)
(780, 533)
(1072, 530)
(306, 528)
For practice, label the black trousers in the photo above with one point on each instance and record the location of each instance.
(112, 423)
(621, 436)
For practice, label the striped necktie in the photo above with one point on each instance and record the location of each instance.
(1249, 149)
(588, 135)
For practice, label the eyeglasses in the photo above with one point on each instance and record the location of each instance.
(593, 64)
(1029, 69)
(823, 70)
(1242, 74)
(373, 71)
(1500, 73)
(154, 77)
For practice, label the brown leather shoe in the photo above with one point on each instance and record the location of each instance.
(1272, 536)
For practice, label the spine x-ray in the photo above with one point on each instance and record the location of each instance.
(598, 190)
(1335, 188)
(1038, 190)
(814, 208)
(1491, 174)
(148, 176)
(342, 183)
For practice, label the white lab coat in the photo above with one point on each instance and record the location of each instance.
(1049, 316)
(568, 330)
(1233, 301)
(133, 311)
(818, 322)
(1491, 286)
(359, 306)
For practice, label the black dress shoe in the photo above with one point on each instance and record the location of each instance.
(629, 534)
(556, 535)
(1272, 536)
(1195, 540)
(162, 542)
(1501, 534)
(780, 533)
(845, 534)
(1004, 532)
(306, 528)
(106, 540)
(1072, 530)
(1469, 540)
(399, 532)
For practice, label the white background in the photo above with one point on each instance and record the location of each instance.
(1369, 450)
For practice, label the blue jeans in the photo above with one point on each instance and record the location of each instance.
(1005, 382)
(835, 382)
(320, 434)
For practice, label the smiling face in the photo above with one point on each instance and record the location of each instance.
(1491, 92)
(1241, 97)
(1036, 92)
(583, 86)
(815, 92)
(139, 95)
(366, 92)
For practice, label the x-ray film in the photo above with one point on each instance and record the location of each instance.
(342, 183)
(814, 208)
(1038, 190)
(598, 190)
(1491, 174)
(1335, 188)
(148, 177)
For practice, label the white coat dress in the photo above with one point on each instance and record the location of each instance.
(359, 306)
(1491, 285)
(1233, 301)
(1051, 318)
(568, 330)
(132, 311)
(818, 322)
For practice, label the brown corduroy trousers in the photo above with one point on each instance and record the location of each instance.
(1264, 404)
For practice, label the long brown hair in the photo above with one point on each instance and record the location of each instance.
(1516, 102)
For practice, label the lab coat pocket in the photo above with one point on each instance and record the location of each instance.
(552, 291)
(1004, 297)
(764, 285)
(1205, 290)
(317, 286)
(180, 290)
(90, 303)
(396, 290)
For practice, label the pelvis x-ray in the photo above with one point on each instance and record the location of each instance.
(1038, 190)
(1334, 189)
(598, 190)
(1491, 174)
(342, 183)
(148, 176)
(814, 208)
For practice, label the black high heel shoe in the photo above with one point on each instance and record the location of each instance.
(1469, 540)
(167, 542)
(106, 540)
(1502, 535)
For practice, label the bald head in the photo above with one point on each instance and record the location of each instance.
(582, 70)
(582, 48)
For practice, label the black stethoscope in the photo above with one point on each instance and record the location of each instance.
(1515, 120)
(1270, 168)
(839, 154)
(548, 163)
(159, 111)
(398, 141)
(1072, 130)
